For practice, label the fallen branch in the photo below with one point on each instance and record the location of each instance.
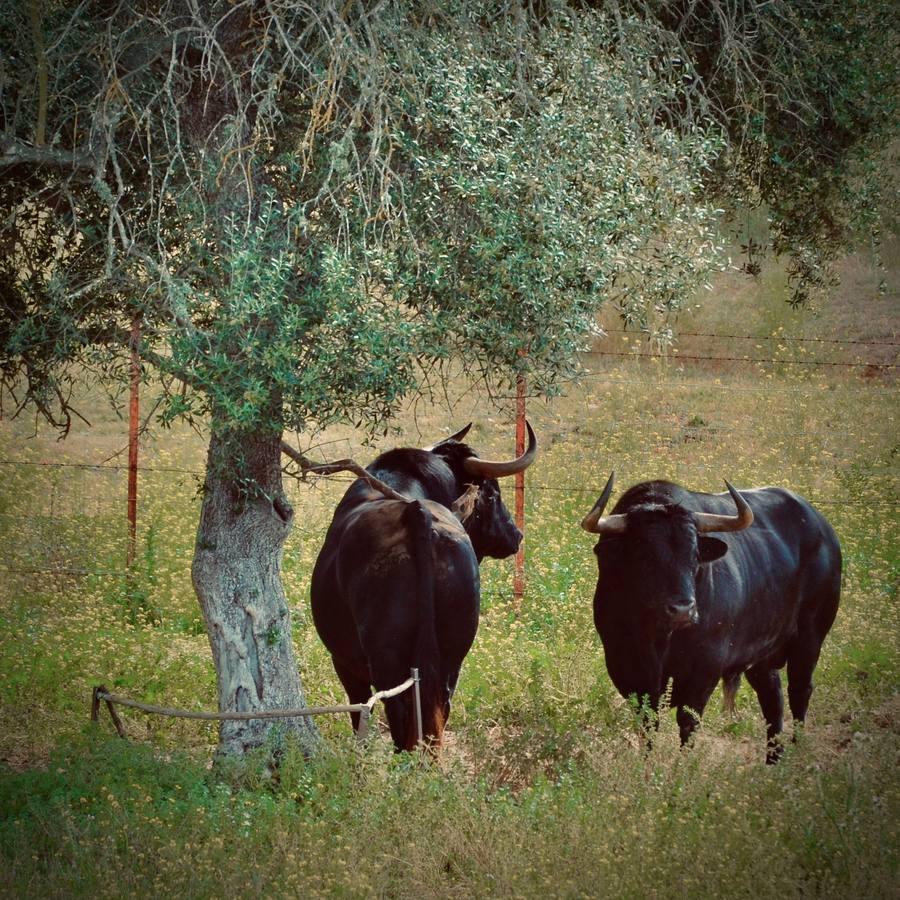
(464, 505)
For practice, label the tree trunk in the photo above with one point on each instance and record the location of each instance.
(236, 571)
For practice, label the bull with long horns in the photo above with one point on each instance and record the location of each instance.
(690, 591)
(396, 585)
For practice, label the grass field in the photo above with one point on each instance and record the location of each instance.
(544, 788)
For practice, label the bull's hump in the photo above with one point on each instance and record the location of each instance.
(415, 473)
(650, 493)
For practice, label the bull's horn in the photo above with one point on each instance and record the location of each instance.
(711, 522)
(611, 524)
(486, 468)
(453, 437)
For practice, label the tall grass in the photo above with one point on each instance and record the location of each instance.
(108, 818)
(545, 787)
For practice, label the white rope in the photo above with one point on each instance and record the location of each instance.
(261, 714)
(391, 692)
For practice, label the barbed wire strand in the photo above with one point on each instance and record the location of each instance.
(675, 356)
(771, 337)
(644, 424)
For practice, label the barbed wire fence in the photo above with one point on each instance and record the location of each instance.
(57, 532)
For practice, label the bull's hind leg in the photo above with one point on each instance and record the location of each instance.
(355, 684)
(818, 599)
(802, 658)
(767, 684)
(449, 688)
(387, 673)
(803, 652)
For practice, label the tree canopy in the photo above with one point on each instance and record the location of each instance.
(806, 96)
(309, 205)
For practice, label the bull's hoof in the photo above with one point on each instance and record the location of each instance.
(774, 751)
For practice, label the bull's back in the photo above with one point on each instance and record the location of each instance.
(790, 543)
(365, 586)
(780, 576)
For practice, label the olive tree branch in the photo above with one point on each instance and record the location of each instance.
(16, 153)
(308, 467)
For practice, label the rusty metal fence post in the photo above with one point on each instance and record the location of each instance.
(418, 702)
(519, 576)
(133, 416)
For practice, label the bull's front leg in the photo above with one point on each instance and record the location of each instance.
(767, 684)
(690, 702)
(688, 721)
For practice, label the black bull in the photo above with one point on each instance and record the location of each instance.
(672, 602)
(396, 585)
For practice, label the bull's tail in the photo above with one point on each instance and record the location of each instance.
(730, 684)
(427, 654)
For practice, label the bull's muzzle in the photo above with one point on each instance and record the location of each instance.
(682, 613)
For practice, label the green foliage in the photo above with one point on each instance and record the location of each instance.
(532, 205)
(545, 786)
(808, 93)
(401, 190)
(380, 198)
(295, 336)
(135, 593)
(109, 818)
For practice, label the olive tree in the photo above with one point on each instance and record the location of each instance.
(806, 95)
(310, 206)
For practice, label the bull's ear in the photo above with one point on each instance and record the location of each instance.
(711, 548)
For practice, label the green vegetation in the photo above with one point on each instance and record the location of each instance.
(317, 211)
(305, 214)
(299, 213)
(544, 788)
(112, 819)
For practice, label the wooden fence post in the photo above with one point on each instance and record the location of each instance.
(363, 731)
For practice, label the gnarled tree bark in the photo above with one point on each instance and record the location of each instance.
(244, 522)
